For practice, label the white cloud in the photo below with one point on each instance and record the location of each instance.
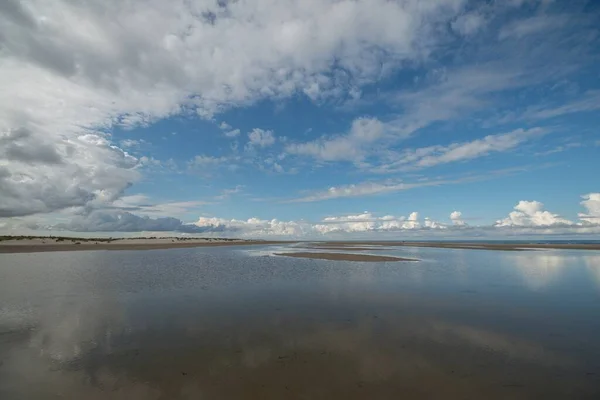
(255, 227)
(232, 133)
(353, 146)
(225, 126)
(477, 148)
(261, 138)
(426, 157)
(589, 101)
(532, 214)
(591, 202)
(367, 222)
(456, 218)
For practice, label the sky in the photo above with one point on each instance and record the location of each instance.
(333, 119)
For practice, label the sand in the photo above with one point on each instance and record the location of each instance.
(344, 257)
(36, 245)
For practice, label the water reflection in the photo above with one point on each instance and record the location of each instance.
(290, 329)
(541, 268)
(592, 263)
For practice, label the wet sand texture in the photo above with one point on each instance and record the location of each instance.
(344, 257)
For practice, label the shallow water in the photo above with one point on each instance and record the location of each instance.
(232, 323)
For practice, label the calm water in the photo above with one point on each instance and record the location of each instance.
(233, 323)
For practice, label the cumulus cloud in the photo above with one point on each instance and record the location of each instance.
(591, 202)
(456, 218)
(348, 224)
(134, 214)
(254, 227)
(532, 214)
(45, 174)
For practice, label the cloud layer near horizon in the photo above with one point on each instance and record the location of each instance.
(528, 217)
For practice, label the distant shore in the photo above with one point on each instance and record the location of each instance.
(45, 244)
(461, 245)
(30, 244)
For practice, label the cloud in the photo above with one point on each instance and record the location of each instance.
(367, 222)
(260, 138)
(456, 218)
(226, 193)
(72, 70)
(232, 133)
(468, 24)
(532, 214)
(353, 146)
(41, 174)
(141, 204)
(591, 202)
(369, 188)
(531, 26)
(255, 227)
(119, 221)
(426, 157)
(528, 219)
(589, 101)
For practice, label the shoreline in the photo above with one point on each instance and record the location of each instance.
(40, 245)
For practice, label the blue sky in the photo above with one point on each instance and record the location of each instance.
(301, 119)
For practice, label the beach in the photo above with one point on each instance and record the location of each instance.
(37, 245)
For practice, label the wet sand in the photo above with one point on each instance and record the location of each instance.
(220, 323)
(471, 245)
(344, 257)
(353, 248)
(38, 245)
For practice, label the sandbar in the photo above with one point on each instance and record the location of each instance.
(344, 257)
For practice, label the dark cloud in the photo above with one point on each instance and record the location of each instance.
(107, 221)
(21, 145)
